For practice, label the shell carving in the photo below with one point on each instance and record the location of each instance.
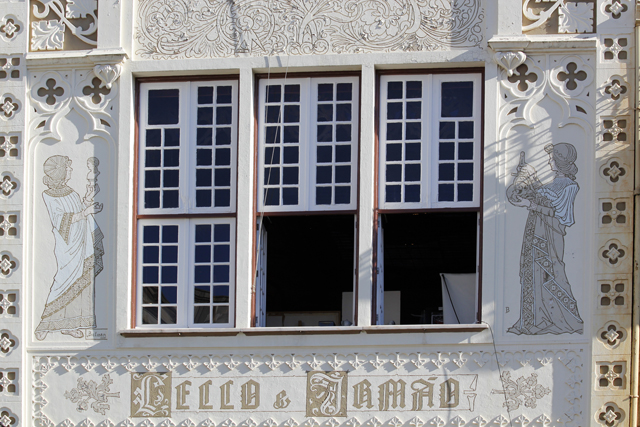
(108, 74)
(510, 60)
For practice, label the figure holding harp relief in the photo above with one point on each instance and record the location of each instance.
(547, 305)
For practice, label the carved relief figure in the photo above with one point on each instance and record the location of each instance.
(547, 305)
(78, 250)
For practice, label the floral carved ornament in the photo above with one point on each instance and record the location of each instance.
(217, 28)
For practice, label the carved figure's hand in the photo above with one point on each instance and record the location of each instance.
(93, 209)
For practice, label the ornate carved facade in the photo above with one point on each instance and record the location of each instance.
(128, 128)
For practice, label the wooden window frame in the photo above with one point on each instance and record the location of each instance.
(227, 214)
(377, 181)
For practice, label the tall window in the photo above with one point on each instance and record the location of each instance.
(186, 204)
(428, 198)
(308, 147)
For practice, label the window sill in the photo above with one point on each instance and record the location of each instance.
(309, 330)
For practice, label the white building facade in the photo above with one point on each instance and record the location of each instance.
(318, 213)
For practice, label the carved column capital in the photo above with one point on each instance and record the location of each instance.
(510, 60)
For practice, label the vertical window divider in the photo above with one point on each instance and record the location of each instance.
(429, 150)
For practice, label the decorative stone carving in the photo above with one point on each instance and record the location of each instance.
(108, 74)
(9, 303)
(91, 393)
(510, 60)
(612, 334)
(9, 225)
(217, 28)
(610, 415)
(11, 68)
(613, 294)
(615, 49)
(615, 129)
(615, 8)
(7, 342)
(9, 382)
(611, 375)
(75, 25)
(616, 87)
(9, 146)
(575, 17)
(9, 185)
(613, 252)
(9, 105)
(557, 17)
(523, 391)
(8, 264)
(614, 213)
(10, 27)
(613, 171)
(8, 418)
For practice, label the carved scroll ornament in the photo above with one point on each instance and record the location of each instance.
(217, 28)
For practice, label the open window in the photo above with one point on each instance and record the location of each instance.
(429, 199)
(307, 200)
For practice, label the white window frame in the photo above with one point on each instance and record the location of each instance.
(308, 144)
(431, 115)
(188, 132)
(186, 280)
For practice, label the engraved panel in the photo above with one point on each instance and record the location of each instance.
(217, 28)
(9, 303)
(10, 146)
(613, 294)
(615, 214)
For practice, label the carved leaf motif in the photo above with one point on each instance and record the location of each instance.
(47, 35)
(575, 18)
(80, 8)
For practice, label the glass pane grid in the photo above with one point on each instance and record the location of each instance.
(159, 274)
(456, 160)
(161, 167)
(335, 113)
(212, 269)
(404, 128)
(282, 123)
(213, 146)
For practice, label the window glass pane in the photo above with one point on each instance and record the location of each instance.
(201, 314)
(392, 193)
(290, 176)
(465, 192)
(289, 196)
(224, 95)
(394, 111)
(414, 89)
(447, 151)
(291, 113)
(203, 198)
(170, 199)
(394, 173)
(325, 112)
(204, 136)
(465, 171)
(457, 99)
(223, 115)
(414, 110)
(447, 130)
(273, 93)
(323, 195)
(394, 131)
(413, 130)
(343, 153)
(446, 171)
(343, 112)
(325, 154)
(465, 130)
(325, 92)
(205, 115)
(223, 136)
(169, 315)
(292, 93)
(412, 193)
(394, 90)
(445, 192)
(412, 151)
(153, 138)
(291, 134)
(205, 95)
(325, 133)
(343, 133)
(344, 91)
(343, 195)
(163, 106)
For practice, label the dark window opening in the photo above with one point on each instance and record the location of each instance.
(310, 263)
(418, 247)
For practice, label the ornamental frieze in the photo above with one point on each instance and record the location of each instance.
(217, 28)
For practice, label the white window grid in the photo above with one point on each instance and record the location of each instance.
(191, 189)
(183, 286)
(272, 156)
(404, 163)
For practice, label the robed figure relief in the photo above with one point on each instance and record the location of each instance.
(547, 305)
(70, 306)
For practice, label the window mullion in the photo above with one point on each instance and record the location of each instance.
(188, 261)
(308, 104)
